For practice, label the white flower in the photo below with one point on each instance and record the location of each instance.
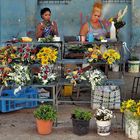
(20, 75)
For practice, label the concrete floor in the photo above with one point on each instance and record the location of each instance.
(20, 125)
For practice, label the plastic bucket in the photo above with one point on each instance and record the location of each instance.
(133, 66)
(103, 127)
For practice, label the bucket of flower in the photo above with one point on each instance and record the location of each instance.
(131, 110)
(103, 118)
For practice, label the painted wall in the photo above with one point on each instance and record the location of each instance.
(136, 23)
(21, 16)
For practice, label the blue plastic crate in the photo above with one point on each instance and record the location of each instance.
(12, 105)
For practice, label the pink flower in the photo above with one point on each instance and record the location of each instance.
(20, 50)
(26, 56)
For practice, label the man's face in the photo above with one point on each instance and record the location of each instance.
(96, 14)
(46, 16)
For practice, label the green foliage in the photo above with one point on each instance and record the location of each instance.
(133, 58)
(45, 112)
(49, 38)
(82, 114)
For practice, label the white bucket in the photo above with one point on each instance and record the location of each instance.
(133, 66)
(115, 67)
(103, 127)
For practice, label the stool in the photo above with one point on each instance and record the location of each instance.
(135, 86)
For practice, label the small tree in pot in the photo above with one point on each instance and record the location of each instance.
(80, 121)
(45, 115)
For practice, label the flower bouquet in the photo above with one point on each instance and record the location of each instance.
(131, 111)
(46, 75)
(26, 54)
(103, 114)
(111, 56)
(94, 54)
(103, 118)
(132, 107)
(19, 75)
(75, 76)
(7, 54)
(118, 20)
(47, 55)
(96, 77)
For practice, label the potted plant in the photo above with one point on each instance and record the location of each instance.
(80, 121)
(131, 110)
(45, 115)
(103, 120)
(133, 64)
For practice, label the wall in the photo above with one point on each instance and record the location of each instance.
(21, 16)
(16, 17)
(136, 23)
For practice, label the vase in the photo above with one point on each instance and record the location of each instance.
(132, 126)
(133, 66)
(103, 127)
(115, 67)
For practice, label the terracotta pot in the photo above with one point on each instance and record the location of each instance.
(44, 127)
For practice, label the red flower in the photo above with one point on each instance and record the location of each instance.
(75, 76)
(20, 50)
(26, 56)
(80, 71)
(45, 77)
(28, 49)
(68, 70)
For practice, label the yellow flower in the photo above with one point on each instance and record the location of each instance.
(13, 56)
(110, 60)
(74, 72)
(138, 110)
(105, 55)
(111, 51)
(110, 20)
(39, 55)
(45, 58)
(90, 49)
(138, 104)
(47, 50)
(44, 62)
(130, 103)
(55, 52)
(94, 56)
(44, 54)
(53, 57)
(117, 55)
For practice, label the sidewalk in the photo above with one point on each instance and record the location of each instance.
(20, 125)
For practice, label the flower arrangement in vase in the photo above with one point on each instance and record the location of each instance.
(46, 75)
(111, 56)
(131, 110)
(96, 77)
(103, 118)
(76, 75)
(118, 19)
(18, 75)
(47, 55)
(7, 54)
(94, 54)
(26, 54)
